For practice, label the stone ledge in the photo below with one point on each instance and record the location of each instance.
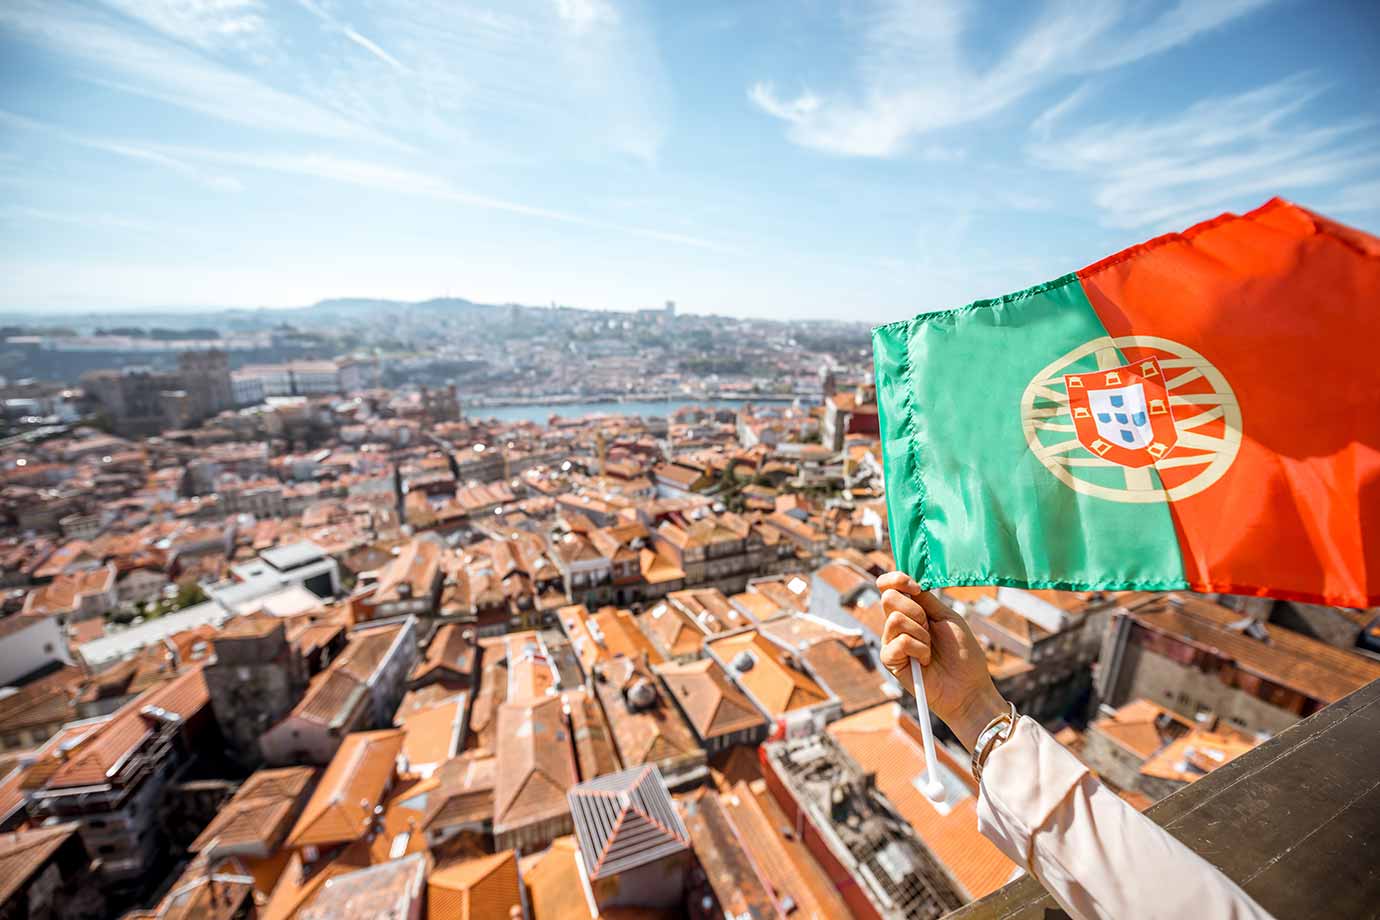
(1293, 822)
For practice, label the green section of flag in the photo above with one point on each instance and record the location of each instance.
(968, 501)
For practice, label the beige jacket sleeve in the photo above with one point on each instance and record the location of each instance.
(1095, 854)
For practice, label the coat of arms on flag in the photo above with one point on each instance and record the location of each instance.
(1150, 420)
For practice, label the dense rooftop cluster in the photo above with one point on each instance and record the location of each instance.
(355, 653)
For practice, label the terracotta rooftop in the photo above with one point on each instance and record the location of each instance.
(844, 579)
(261, 811)
(885, 740)
(463, 792)
(94, 754)
(411, 574)
(45, 700)
(366, 651)
(64, 594)
(1197, 753)
(476, 889)
(1290, 659)
(1142, 727)
(802, 630)
(355, 781)
(729, 870)
(433, 735)
(760, 667)
(856, 684)
(711, 702)
(206, 891)
(758, 607)
(389, 889)
(789, 592)
(709, 609)
(451, 652)
(538, 764)
(552, 880)
(25, 852)
(647, 727)
(781, 857)
(625, 820)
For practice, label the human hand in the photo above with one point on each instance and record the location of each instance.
(918, 625)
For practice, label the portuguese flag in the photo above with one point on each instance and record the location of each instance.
(1198, 412)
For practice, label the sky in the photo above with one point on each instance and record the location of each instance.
(865, 159)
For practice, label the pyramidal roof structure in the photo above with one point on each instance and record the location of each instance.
(625, 820)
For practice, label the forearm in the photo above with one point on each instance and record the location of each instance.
(1095, 854)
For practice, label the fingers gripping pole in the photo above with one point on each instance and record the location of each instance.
(932, 787)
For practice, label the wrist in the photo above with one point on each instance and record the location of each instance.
(977, 710)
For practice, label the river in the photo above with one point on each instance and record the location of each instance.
(540, 412)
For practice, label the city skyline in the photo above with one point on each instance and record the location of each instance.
(862, 162)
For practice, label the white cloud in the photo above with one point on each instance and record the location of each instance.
(486, 83)
(1218, 151)
(353, 35)
(124, 149)
(583, 15)
(414, 183)
(114, 55)
(915, 74)
(204, 23)
(88, 220)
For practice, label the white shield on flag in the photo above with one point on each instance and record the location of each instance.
(1121, 416)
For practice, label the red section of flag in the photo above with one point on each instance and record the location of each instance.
(1286, 305)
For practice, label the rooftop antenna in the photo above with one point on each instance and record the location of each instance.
(931, 786)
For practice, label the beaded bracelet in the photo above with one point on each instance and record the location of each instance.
(997, 731)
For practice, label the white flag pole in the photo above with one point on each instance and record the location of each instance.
(930, 786)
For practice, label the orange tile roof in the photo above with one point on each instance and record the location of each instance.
(1290, 659)
(736, 884)
(776, 686)
(391, 888)
(1142, 727)
(433, 735)
(463, 792)
(108, 744)
(260, 811)
(66, 592)
(783, 862)
(451, 650)
(885, 740)
(554, 884)
(657, 569)
(856, 684)
(25, 852)
(411, 574)
(799, 631)
(476, 889)
(538, 765)
(1197, 753)
(622, 636)
(843, 578)
(341, 808)
(647, 727)
(711, 702)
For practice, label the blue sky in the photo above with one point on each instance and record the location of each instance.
(861, 160)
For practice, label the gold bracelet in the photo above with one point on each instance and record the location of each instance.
(996, 732)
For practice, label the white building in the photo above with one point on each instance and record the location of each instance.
(310, 378)
(29, 642)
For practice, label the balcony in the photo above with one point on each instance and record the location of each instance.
(1288, 822)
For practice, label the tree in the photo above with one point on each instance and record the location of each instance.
(188, 595)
